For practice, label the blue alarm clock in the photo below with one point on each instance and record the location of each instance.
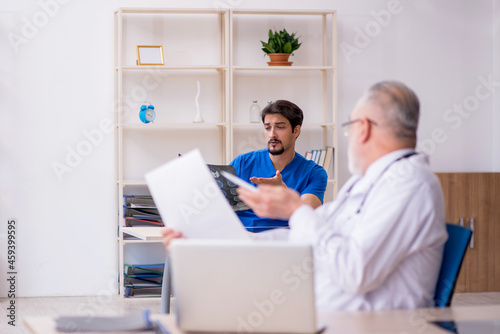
(147, 113)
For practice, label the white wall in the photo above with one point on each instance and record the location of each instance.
(56, 97)
(440, 50)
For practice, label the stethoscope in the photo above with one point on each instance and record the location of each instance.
(348, 192)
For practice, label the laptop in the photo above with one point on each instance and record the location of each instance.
(243, 286)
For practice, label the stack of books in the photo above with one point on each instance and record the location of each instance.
(323, 157)
(143, 280)
(140, 211)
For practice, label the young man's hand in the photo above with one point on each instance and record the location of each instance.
(276, 180)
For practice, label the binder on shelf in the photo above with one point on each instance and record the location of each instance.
(328, 158)
(143, 270)
(322, 155)
(131, 222)
(308, 155)
(141, 213)
(139, 201)
(140, 210)
(142, 281)
(154, 291)
(142, 275)
(314, 155)
(318, 155)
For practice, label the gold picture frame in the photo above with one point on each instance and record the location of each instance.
(150, 55)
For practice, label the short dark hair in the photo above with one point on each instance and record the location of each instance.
(286, 108)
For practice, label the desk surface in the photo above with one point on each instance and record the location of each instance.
(339, 322)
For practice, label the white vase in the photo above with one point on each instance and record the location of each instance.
(198, 118)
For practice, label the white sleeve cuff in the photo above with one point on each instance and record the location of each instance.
(303, 224)
(275, 234)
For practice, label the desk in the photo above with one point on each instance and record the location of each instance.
(340, 322)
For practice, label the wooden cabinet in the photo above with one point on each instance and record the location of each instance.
(473, 200)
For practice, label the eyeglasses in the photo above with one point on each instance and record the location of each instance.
(347, 124)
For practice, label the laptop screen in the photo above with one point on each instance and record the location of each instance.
(243, 286)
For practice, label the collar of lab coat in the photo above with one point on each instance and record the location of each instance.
(374, 171)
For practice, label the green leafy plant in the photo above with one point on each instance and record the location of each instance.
(280, 42)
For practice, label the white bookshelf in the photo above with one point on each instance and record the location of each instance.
(225, 57)
(321, 26)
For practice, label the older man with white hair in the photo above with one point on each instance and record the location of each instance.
(379, 244)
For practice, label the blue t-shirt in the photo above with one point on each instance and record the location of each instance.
(305, 176)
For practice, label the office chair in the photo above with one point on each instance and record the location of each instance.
(453, 255)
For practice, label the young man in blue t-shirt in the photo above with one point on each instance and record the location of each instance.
(279, 164)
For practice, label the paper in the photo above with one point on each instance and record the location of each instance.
(189, 200)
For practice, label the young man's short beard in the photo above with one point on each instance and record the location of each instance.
(277, 152)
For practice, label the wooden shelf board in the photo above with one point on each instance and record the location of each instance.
(282, 12)
(173, 68)
(133, 182)
(153, 126)
(253, 125)
(248, 125)
(171, 11)
(319, 124)
(283, 68)
(222, 11)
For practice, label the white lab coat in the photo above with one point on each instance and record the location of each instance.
(387, 255)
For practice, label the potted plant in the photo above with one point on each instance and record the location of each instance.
(280, 46)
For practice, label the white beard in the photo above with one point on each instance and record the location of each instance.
(352, 164)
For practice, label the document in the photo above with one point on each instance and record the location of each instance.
(189, 200)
